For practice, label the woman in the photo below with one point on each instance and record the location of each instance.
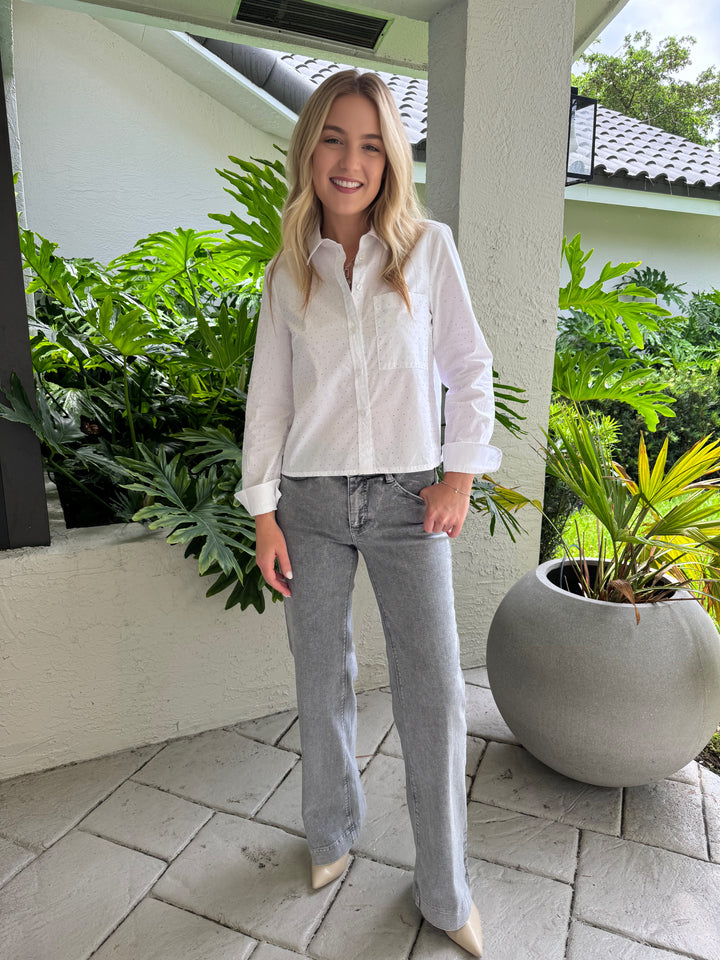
(365, 313)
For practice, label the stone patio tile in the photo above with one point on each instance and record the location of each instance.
(219, 768)
(475, 748)
(666, 814)
(589, 943)
(517, 840)
(477, 675)
(524, 917)
(391, 746)
(690, 773)
(374, 719)
(483, 717)
(510, 777)
(266, 951)
(159, 931)
(652, 895)
(38, 808)
(64, 904)
(13, 858)
(387, 833)
(284, 807)
(249, 877)
(372, 918)
(147, 819)
(711, 801)
(267, 729)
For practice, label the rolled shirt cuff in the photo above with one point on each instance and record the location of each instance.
(475, 458)
(262, 498)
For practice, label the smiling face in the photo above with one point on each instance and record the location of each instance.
(349, 160)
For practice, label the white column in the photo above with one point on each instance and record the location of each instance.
(499, 90)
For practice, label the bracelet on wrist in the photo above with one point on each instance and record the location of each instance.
(455, 490)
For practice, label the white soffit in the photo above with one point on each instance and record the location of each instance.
(191, 61)
(591, 18)
(593, 193)
(404, 44)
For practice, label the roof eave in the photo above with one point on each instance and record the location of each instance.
(660, 185)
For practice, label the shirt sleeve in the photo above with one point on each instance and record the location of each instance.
(269, 410)
(464, 363)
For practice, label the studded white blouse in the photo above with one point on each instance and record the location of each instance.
(352, 385)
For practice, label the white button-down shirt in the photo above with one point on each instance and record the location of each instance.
(352, 384)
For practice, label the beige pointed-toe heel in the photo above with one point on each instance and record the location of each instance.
(324, 873)
(469, 937)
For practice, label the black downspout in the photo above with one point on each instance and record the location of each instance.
(23, 507)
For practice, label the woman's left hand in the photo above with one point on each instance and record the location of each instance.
(445, 510)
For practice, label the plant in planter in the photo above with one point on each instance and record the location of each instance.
(600, 359)
(608, 670)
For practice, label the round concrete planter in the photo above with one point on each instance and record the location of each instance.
(596, 696)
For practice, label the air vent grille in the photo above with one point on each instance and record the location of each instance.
(314, 20)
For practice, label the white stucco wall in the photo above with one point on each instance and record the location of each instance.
(685, 245)
(114, 144)
(108, 642)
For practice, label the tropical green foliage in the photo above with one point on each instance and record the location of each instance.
(696, 413)
(604, 361)
(685, 352)
(262, 191)
(142, 368)
(579, 378)
(643, 83)
(657, 532)
(657, 282)
(636, 392)
(623, 320)
(600, 361)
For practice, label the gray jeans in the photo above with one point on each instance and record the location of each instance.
(326, 522)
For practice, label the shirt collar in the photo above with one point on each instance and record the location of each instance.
(316, 241)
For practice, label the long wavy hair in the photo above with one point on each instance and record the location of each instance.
(394, 214)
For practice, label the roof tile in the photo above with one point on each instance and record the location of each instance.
(624, 147)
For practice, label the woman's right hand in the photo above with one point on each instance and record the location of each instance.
(271, 547)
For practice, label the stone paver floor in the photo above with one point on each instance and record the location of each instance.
(194, 850)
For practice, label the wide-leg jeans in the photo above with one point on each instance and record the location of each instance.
(326, 522)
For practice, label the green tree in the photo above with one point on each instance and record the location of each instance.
(642, 82)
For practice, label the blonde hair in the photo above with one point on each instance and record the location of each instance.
(394, 214)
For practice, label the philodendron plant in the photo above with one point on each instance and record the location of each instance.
(657, 533)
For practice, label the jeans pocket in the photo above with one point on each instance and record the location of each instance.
(410, 484)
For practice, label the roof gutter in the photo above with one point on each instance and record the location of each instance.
(264, 69)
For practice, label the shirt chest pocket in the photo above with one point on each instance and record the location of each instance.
(403, 339)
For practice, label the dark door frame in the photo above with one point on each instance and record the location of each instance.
(23, 507)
